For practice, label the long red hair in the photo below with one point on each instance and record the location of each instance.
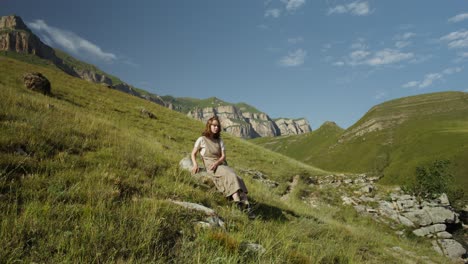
(208, 133)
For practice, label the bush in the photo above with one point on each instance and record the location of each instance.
(431, 180)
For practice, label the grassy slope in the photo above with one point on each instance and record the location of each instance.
(436, 128)
(85, 178)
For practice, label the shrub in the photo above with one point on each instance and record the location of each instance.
(431, 180)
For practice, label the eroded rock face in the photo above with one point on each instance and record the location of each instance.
(293, 127)
(250, 125)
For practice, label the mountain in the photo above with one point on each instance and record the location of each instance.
(86, 177)
(243, 120)
(391, 139)
(18, 41)
(240, 119)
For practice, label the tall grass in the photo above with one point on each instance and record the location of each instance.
(84, 177)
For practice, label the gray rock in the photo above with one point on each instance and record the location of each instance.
(443, 200)
(251, 248)
(427, 230)
(348, 201)
(419, 217)
(196, 207)
(368, 188)
(186, 163)
(449, 248)
(442, 215)
(405, 221)
(444, 234)
(37, 82)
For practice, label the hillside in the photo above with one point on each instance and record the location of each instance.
(391, 139)
(85, 177)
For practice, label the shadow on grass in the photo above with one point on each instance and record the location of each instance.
(272, 213)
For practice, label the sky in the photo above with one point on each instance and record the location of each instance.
(324, 60)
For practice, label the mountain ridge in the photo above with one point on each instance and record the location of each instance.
(12, 38)
(391, 139)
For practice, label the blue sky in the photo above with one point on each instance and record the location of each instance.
(323, 60)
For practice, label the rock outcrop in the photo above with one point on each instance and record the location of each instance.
(37, 82)
(289, 126)
(250, 125)
(430, 218)
(15, 36)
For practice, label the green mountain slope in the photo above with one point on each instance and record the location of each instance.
(85, 177)
(305, 145)
(392, 139)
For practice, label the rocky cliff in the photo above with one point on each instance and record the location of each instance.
(15, 36)
(250, 125)
(289, 126)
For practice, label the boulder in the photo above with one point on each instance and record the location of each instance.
(202, 175)
(449, 248)
(251, 248)
(147, 113)
(427, 230)
(37, 82)
(211, 221)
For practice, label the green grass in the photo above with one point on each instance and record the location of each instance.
(434, 127)
(84, 177)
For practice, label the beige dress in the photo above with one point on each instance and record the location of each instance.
(224, 177)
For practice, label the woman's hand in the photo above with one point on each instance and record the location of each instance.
(195, 168)
(214, 166)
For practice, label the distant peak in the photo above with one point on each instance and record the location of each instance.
(12, 22)
(330, 124)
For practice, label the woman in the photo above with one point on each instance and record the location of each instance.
(211, 148)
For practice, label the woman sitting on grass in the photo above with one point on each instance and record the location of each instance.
(211, 148)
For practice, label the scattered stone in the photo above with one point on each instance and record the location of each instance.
(147, 113)
(368, 188)
(444, 234)
(37, 82)
(211, 221)
(424, 231)
(449, 247)
(20, 151)
(196, 207)
(259, 176)
(251, 248)
(348, 201)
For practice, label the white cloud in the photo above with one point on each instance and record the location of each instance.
(69, 41)
(293, 5)
(359, 55)
(381, 57)
(430, 78)
(388, 56)
(410, 84)
(357, 8)
(402, 40)
(458, 18)
(294, 58)
(339, 63)
(359, 44)
(295, 40)
(457, 39)
(274, 12)
(401, 44)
